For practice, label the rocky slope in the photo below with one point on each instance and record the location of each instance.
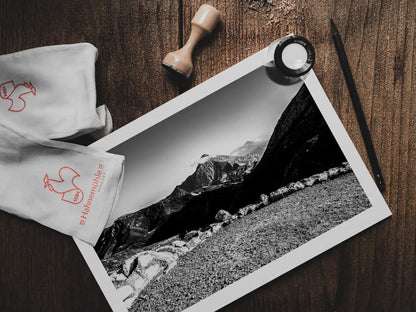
(133, 271)
(219, 170)
(253, 241)
(300, 146)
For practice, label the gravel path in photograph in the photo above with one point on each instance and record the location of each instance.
(253, 241)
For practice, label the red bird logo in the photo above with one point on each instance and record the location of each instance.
(65, 186)
(14, 93)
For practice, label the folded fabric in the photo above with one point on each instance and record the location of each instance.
(105, 117)
(50, 91)
(67, 187)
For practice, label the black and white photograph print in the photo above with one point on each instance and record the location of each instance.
(222, 188)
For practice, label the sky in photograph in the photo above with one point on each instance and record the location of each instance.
(164, 155)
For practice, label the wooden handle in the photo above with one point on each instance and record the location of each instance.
(203, 23)
(206, 18)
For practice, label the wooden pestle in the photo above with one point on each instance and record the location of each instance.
(203, 23)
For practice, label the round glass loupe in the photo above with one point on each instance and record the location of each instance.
(288, 60)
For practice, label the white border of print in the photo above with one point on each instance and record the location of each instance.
(287, 262)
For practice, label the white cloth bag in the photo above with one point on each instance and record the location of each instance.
(50, 91)
(67, 187)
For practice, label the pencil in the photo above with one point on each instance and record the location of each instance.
(371, 153)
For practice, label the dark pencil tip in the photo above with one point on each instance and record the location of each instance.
(333, 27)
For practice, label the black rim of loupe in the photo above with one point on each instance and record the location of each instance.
(310, 51)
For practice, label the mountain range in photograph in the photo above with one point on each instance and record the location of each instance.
(300, 146)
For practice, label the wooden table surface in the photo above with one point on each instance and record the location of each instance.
(42, 270)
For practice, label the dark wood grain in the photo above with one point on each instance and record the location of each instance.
(42, 270)
(131, 36)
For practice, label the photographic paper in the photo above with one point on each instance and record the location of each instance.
(227, 187)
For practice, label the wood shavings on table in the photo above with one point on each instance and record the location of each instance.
(284, 10)
(276, 11)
